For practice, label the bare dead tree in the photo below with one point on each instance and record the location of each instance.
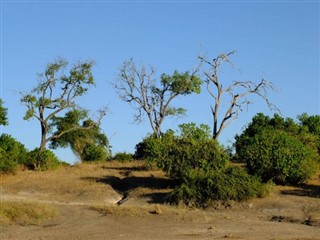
(139, 87)
(238, 91)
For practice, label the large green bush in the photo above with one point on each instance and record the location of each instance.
(278, 149)
(45, 160)
(201, 187)
(7, 165)
(12, 154)
(182, 155)
(201, 166)
(279, 157)
(92, 152)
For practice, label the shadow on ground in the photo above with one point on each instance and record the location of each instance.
(136, 169)
(308, 190)
(126, 185)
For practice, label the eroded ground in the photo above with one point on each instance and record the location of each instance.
(125, 201)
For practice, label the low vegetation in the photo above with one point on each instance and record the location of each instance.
(123, 157)
(201, 166)
(12, 153)
(26, 213)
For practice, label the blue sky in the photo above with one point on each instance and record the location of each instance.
(277, 40)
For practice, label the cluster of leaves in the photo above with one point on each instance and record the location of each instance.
(87, 141)
(201, 166)
(279, 150)
(200, 187)
(43, 160)
(3, 114)
(14, 154)
(123, 157)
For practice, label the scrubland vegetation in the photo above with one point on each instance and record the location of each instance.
(271, 150)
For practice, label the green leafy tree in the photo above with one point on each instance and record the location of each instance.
(56, 92)
(190, 130)
(138, 87)
(89, 144)
(312, 123)
(3, 114)
(237, 92)
(277, 149)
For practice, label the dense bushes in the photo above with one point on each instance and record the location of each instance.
(45, 160)
(277, 149)
(92, 152)
(123, 157)
(12, 153)
(201, 166)
(201, 187)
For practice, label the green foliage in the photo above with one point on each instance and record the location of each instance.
(12, 154)
(180, 83)
(139, 87)
(7, 165)
(200, 165)
(192, 149)
(54, 78)
(312, 123)
(92, 152)
(43, 160)
(190, 130)
(184, 154)
(56, 92)
(3, 114)
(14, 149)
(277, 149)
(123, 157)
(86, 141)
(200, 187)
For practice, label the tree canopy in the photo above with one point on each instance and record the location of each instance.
(3, 114)
(139, 87)
(56, 92)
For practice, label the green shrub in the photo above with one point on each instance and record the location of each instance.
(45, 160)
(7, 165)
(200, 187)
(123, 157)
(15, 150)
(279, 157)
(94, 152)
(201, 166)
(186, 154)
(12, 153)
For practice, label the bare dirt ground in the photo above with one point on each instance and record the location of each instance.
(125, 201)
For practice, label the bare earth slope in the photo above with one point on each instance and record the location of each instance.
(125, 201)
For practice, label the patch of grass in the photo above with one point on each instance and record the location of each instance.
(26, 213)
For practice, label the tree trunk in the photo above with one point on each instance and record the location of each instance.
(43, 138)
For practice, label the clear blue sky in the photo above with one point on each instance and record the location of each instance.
(278, 40)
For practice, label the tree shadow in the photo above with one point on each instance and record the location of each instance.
(137, 169)
(308, 190)
(158, 197)
(128, 184)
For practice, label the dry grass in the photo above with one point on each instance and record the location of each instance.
(26, 213)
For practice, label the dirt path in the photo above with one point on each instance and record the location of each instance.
(88, 210)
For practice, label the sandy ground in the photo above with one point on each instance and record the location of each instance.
(86, 197)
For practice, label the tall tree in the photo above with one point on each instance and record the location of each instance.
(3, 114)
(238, 92)
(139, 87)
(56, 92)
